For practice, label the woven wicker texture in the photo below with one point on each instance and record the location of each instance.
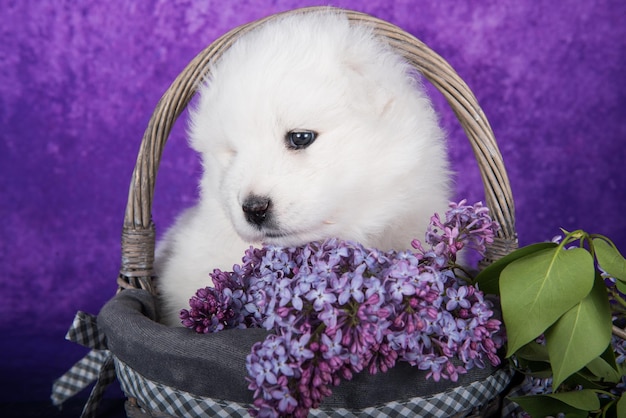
(138, 237)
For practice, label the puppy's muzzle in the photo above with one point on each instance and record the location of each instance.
(257, 209)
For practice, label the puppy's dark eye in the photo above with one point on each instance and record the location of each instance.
(300, 139)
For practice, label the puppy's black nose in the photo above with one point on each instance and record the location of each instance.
(256, 209)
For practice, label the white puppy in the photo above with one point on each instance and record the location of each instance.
(309, 127)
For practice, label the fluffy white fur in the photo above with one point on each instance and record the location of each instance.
(375, 174)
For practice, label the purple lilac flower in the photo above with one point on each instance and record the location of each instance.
(456, 298)
(619, 346)
(337, 308)
(465, 226)
(536, 386)
(213, 310)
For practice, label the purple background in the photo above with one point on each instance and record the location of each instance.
(79, 79)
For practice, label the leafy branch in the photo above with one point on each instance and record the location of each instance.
(566, 295)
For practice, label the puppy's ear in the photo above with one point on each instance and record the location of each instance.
(200, 122)
(370, 89)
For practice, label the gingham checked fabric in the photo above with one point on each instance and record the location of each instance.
(96, 366)
(100, 365)
(157, 398)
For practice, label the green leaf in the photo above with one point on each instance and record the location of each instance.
(603, 370)
(605, 367)
(586, 399)
(584, 379)
(544, 405)
(621, 406)
(537, 289)
(488, 279)
(539, 369)
(534, 352)
(610, 259)
(609, 354)
(580, 335)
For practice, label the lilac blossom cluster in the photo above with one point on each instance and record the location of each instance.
(337, 309)
(465, 227)
(216, 308)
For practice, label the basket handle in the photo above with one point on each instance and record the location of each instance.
(138, 234)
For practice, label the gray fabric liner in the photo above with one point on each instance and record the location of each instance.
(213, 365)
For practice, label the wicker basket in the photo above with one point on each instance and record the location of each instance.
(138, 241)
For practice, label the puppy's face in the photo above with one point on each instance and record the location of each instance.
(301, 144)
(293, 163)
